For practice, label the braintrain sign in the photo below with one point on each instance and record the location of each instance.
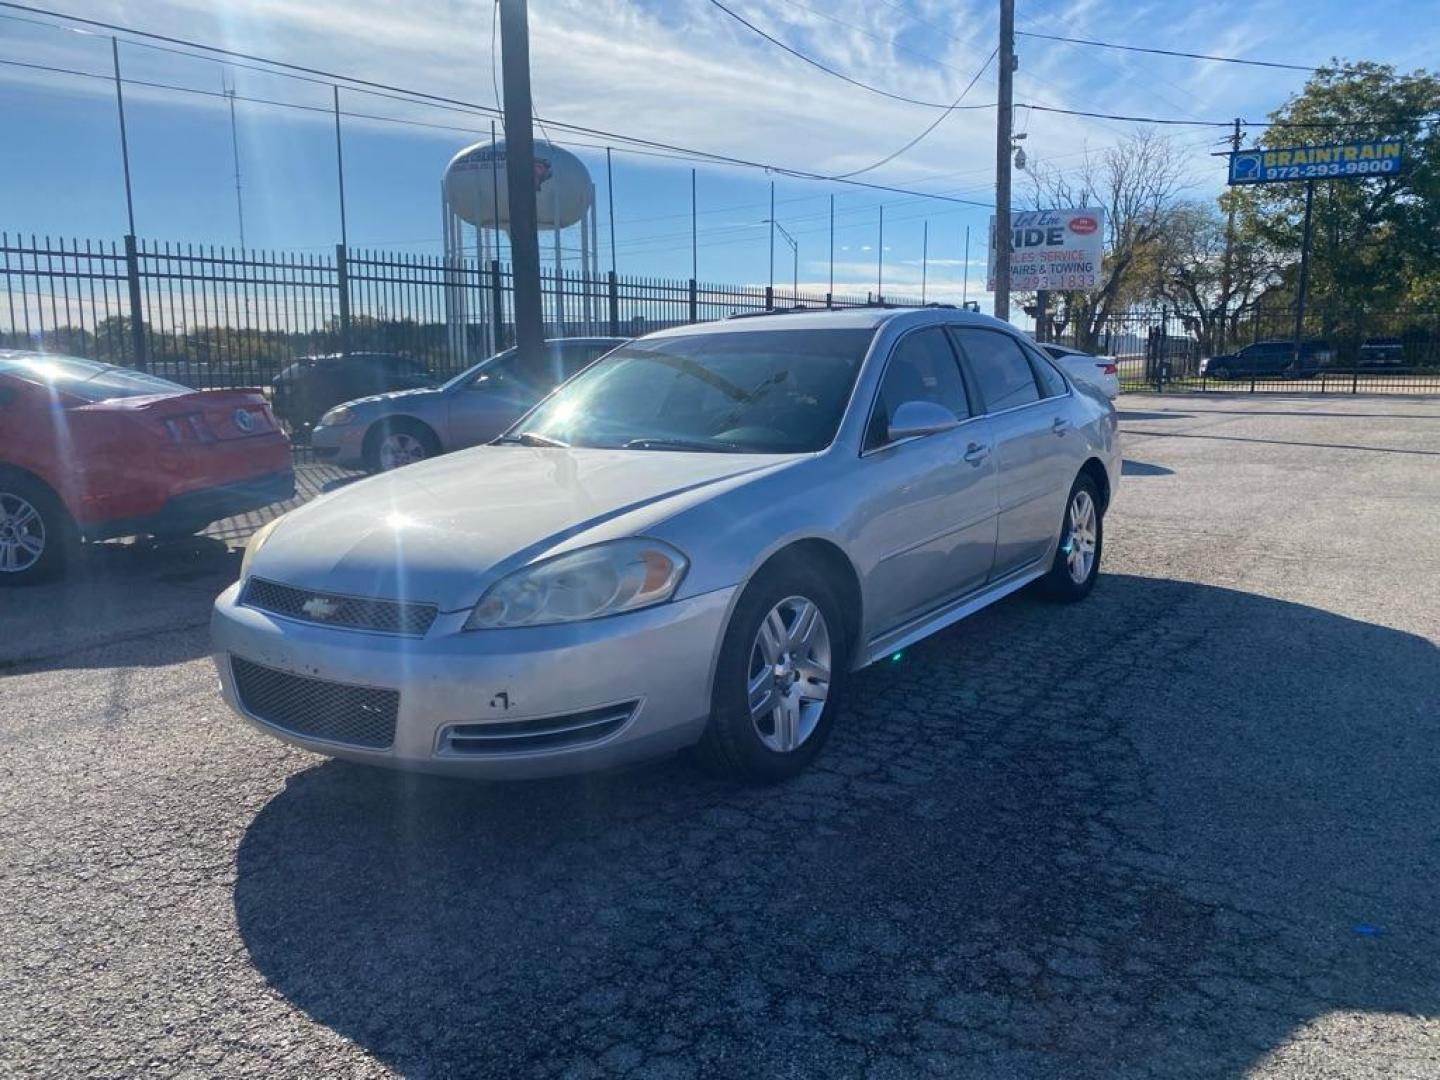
(1343, 161)
(1053, 249)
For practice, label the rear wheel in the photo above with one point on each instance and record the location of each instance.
(392, 444)
(781, 671)
(1082, 536)
(35, 531)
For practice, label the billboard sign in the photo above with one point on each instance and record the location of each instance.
(1343, 161)
(1053, 249)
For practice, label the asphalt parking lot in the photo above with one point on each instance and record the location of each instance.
(1188, 828)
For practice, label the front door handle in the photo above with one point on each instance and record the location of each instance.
(975, 453)
(1060, 426)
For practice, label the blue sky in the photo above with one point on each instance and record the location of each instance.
(677, 71)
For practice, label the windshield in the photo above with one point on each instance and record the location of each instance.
(88, 379)
(761, 391)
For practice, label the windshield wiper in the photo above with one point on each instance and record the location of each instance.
(707, 445)
(532, 438)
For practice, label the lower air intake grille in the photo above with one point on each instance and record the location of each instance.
(332, 609)
(546, 733)
(337, 712)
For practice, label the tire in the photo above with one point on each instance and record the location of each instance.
(765, 746)
(36, 532)
(391, 444)
(1075, 569)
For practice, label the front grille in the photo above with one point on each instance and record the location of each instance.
(318, 708)
(405, 617)
(546, 733)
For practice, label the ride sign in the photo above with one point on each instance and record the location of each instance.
(1343, 161)
(1053, 249)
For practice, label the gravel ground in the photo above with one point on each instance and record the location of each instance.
(1188, 828)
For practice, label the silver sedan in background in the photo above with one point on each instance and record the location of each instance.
(389, 430)
(694, 541)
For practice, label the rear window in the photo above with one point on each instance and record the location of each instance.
(87, 379)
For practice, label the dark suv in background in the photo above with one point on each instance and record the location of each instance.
(313, 384)
(1274, 358)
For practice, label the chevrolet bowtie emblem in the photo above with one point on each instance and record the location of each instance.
(319, 608)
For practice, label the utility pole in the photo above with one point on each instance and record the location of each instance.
(1003, 119)
(520, 177)
(1227, 265)
(694, 242)
(1300, 288)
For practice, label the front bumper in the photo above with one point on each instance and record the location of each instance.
(344, 445)
(662, 658)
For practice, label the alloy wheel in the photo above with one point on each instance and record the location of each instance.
(400, 448)
(1080, 550)
(789, 674)
(22, 534)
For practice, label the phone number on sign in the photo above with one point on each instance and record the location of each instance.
(1334, 168)
(1053, 281)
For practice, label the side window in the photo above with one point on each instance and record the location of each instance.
(575, 359)
(1001, 370)
(1052, 384)
(922, 368)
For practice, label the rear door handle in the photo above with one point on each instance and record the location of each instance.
(1060, 426)
(975, 453)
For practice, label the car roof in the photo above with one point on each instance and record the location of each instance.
(856, 318)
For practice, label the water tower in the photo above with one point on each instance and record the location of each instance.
(474, 192)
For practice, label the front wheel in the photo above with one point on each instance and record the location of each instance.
(781, 670)
(1082, 536)
(392, 444)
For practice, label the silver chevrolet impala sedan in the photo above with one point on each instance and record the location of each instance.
(694, 542)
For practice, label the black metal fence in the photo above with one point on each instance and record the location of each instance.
(213, 317)
(1355, 352)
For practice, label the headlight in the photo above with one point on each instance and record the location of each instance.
(337, 417)
(607, 579)
(256, 542)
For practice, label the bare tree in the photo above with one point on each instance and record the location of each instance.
(1192, 277)
(1137, 182)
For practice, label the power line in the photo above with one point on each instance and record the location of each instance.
(829, 70)
(937, 122)
(371, 86)
(1168, 52)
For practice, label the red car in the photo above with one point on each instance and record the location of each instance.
(93, 451)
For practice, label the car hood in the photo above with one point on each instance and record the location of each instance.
(442, 530)
(394, 395)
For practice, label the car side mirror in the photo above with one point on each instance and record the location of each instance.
(916, 418)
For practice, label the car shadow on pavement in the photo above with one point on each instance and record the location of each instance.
(1157, 833)
(144, 599)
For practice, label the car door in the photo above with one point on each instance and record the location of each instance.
(502, 391)
(1029, 424)
(927, 511)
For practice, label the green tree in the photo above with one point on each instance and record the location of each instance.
(1376, 242)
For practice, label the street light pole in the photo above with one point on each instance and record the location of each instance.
(1003, 118)
(795, 255)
